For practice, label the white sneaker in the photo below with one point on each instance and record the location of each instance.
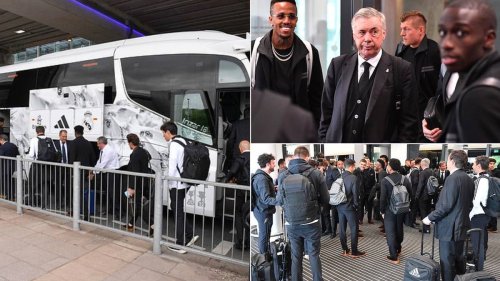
(192, 241)
(177, 250)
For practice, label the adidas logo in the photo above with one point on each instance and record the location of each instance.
(415, 273)
(62, 124)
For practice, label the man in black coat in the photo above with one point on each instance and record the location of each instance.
(422, 196)
(393, 223)
(369, 96)
(452, 216)
(442, 173)
(7, 166)
(240, 130)
(82, 151)
(347, 211)
(240, 170)
(474, 58)
(423, 53)
(282, 61)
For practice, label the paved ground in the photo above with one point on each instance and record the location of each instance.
(374, 266)
(40, 247)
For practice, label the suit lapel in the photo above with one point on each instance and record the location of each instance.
(382, 71)
(344, 83)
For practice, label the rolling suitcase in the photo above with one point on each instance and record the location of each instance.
(262, 266)
(471, 262)
(282, 261)
(420, 267)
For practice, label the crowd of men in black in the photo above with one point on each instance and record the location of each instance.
(368, 188)
(424, 92)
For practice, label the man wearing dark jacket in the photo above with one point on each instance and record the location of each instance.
(452, 216)
(240, 170)
(263, 190)
(393, 223)
(473, 56)
(422, 196)
(369, 96)
(347, 211)
(423, 53)
(303, 223)
(81, 150)
(282, 65)
(7, 166)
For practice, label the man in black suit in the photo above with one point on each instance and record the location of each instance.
(240, 170)
(393, 222)
(240, 130)
(81, 151)
(452, 216)
(7, 166)
(63, 174)
(422, 196)
(369, 96)
(347, 211)
(442, 173)
(138, 186)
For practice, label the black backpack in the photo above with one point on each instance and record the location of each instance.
(492, 207)
(196, 160)
(46, 150)
(400, 198)
(432, 185)
(300, 198)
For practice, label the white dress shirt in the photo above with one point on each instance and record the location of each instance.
(481, 196)
(108, 159)
(176, 160)
(452, 84)
(373, 64)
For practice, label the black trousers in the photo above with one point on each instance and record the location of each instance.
(326, 225)
(425, 207)
(393, 225)
(348, 216)
(239, 220)
(478, 243)
(451, 259)
(183, 227)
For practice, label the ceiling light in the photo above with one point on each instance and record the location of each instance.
(19, 31)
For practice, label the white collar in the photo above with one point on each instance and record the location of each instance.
(373, 61)
(452, 171)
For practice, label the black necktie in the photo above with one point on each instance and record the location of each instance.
(442, 175)
(364, 81)
(64, 153)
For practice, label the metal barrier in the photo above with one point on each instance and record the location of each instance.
(100, 197)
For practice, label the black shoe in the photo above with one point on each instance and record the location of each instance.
(357, 254)
(326, 233)
(333, 235)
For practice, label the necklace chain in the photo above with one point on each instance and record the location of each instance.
(280, 57)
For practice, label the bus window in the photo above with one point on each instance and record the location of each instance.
(230, 72)
(82, 73)
(177, 87)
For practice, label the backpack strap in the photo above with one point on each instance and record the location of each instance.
(309, 61)
(253, 61)
(389, 179)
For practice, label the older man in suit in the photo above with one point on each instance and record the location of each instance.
(369, 96)
(452, 216)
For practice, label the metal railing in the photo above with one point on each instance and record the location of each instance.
(67, 191)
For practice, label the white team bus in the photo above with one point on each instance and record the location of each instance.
(199, 80)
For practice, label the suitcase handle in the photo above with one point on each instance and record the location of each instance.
(431, 255)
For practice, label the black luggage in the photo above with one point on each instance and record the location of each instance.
(282, 261)
(420, 267)
(471, 261)
(262, 267)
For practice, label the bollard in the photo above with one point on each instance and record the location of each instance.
(158, 217)
(76, 196)
(19, 185)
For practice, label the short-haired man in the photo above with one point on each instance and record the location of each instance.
(303, 223)
(423, 53)
(282, 61)
(40, 174)
(369, 96)
(478, 219)
(492, 226)
(393, 223)
(184, 233)
(63, 174)
(422, 197)
(442, 173)
(264, 191)
(468, 32)
(347, 211)
(452, 216)
(7, 166)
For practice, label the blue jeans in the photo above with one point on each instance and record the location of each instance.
(308, 236)
(347, 215)
(264, 229)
